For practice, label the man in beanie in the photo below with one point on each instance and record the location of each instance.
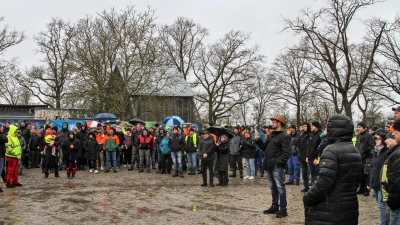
(176, 143)
(365, 143)
(277, 152)
(392, 164)
(63, 134)
(333, 198)
(293, 162)
(314, 140)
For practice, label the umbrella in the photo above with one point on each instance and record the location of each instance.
(93, 124)
(219, 131)
(173, 121)
(105, 116)
(136, 121)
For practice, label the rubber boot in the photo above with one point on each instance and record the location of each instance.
(68, 173)
(46, 175)
(233, 174)
(211, 181)
(241, 173)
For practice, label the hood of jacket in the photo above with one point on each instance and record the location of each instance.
(72, 134)
(12, 130)
(308, 128)
(340, 128)
(91, 133)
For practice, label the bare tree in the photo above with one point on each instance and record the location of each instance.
(294, 77)
(11, 90)
(181, 42)
(9, 37)
(221, 66)
(327, 32)
(50, 80)
(387, 71)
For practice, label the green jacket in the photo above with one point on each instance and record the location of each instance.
(13, 149)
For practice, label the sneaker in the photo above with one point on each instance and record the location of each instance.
(272, 210)
(96, 171)
(91, 171)
(282, 213)
(246, 177)
(125, 165)
(102, 168)
(251, 178)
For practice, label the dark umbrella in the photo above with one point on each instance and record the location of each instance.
(219, 131)
(105, 116)
(136, 121)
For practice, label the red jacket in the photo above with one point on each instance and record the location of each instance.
(146, 142)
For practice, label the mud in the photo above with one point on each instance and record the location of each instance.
(130, 197)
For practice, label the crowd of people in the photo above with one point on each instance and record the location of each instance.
(334, 163)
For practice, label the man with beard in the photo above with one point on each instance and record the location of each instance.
(314, 140)
(364, 144)
(277, 152)
(26, 134)
(302, 146)
(63, 134)
(81, 136)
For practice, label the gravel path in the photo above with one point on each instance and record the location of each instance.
(130, 197)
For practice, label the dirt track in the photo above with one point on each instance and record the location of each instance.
(130, 197)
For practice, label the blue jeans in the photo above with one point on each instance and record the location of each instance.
(381, 205)
(394, 217)
(153, 158)
(294, 169)
(177, 159)
(108, 159)
(275, 182)
(61, 158)
(259, 162)
(251, 168)
(191, 157)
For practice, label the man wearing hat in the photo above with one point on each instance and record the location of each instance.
(392, 164)
(277, 152)
(364, 144)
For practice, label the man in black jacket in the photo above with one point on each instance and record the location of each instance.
(63, 133)
(26, 134)
(206, 154)
(302, 146)
(364, 144)
(277, 152)
(333, 198)
(293, 162)
(314, 140)
(176, 143)
(393, 176)
(3, 141)
(81, 136)
(135, 143)
(236, 153)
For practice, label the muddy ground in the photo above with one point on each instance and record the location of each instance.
(130, 197)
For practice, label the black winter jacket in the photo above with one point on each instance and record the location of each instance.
(314, 140)
(365, 143)
(135, 137)
(222, 151)
(376, 166)
(26, 134)
(333, 199)
(206, 146)
(190, 146)
(248, 148)
(63, 134)
(176, 143)
(3, 141)
(91, 147)
(71, 153)
(294, 142)
(393, 176)
(36, 141)
(277, 149)
(303, 142)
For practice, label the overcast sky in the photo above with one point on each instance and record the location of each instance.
(261, 18)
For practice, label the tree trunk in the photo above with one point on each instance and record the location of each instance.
(298, 115)
(347, 106)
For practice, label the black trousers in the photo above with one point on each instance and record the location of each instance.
(210, 165)
(223, 177)
(166, 163)
(34, 155)
(304, 173)
(128, 155)
(236, 159)
(51, 162)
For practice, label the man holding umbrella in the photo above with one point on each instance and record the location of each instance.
(277, 152)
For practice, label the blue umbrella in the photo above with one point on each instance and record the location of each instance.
(173, 121)
(105, 116)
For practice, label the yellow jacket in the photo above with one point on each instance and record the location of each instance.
(13, 149)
